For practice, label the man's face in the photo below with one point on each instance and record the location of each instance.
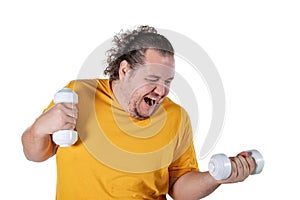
(141, 91)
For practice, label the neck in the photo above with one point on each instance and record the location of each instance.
(113, 85)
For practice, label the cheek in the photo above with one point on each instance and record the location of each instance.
(167, 90)
(144, 89)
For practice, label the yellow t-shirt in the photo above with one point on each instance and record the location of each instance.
(119, 157)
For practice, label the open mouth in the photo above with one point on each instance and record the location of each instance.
(150, 101)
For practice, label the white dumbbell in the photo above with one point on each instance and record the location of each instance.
(219, 165)
(65, 138)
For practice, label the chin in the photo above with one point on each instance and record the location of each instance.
(139, 115)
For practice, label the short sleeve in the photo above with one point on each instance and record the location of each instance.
(185, 163)
(185, 159)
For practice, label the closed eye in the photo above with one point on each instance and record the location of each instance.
(152, 78)
(169, 81)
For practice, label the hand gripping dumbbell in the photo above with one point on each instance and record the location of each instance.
(219, 165)
(65, 138)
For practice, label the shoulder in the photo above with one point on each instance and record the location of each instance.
(88, 84)
(84, 82)
(174, 109)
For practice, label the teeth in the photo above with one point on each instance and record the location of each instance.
(153, 100)
(150, 101)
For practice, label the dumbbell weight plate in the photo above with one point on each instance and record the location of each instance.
(259, 160)
(219, 166)
(65, 138)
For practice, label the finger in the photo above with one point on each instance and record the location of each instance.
(251, 163)
(69, 105)
(243, 153)
(233, 168)
(64, 120)
(66, 106)
(239, 166)
(68, 126)
(244, 166)
(69, 120)
(72, 113)
(249, 159)
(68, 109)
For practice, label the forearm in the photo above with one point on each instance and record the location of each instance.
(37, 147)
(193, 185)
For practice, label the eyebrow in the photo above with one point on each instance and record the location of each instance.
(171, 78)
(158, 77)
(153, 76)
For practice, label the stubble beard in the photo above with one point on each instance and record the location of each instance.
(135, 113)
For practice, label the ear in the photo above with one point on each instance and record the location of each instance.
(123, 69)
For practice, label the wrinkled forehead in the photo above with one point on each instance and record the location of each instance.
(166, 71)
(160, 57)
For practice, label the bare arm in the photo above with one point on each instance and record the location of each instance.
(37, 147)
(36, 140)
(193, 185)
(196, 185)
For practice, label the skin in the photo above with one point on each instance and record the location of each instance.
(133, 90)
(37, 143)
(197, 185)
(130, 90)
(150, 80)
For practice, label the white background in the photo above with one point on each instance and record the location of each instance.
(255, 46)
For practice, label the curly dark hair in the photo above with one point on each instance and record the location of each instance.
(131, 46)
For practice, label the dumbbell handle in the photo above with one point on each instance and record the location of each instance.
(65, 138)
(219, 165)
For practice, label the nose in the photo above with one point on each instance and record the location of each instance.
(160, 90)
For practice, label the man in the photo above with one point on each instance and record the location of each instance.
(134, 142)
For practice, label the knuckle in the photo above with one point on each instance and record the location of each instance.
(58, 109)
(59, 105)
